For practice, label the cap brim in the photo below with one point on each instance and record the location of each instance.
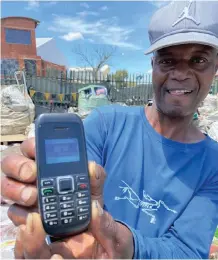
(184, 38)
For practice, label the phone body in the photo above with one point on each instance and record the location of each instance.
(63, 183)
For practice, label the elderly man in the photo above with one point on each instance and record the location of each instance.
(160, 195)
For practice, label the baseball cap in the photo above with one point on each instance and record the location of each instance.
(183, 22)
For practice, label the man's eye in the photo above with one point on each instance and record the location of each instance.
(198, 60)
(166, 61)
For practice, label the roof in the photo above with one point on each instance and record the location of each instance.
(22, 17)
(42, 41)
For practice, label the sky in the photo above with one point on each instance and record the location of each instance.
(93, 25)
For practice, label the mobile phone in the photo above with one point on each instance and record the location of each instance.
(62, 174)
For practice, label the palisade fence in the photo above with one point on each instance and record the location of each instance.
(61, 88)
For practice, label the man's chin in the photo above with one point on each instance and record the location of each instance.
(175, 112)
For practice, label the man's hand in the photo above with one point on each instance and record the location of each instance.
(105, 238)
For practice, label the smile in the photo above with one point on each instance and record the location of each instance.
(179, 92)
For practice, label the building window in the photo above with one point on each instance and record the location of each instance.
(18, 36)
(30, 67)
(9, 66)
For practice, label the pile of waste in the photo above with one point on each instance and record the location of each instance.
(208, 116)
(17, 109)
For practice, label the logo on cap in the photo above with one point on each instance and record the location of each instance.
(185, 15)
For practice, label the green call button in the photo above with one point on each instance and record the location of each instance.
(47, 191)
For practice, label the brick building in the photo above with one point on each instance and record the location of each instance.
(19, 50)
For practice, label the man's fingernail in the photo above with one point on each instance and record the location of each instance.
(97, 171)
(56, 257)
(27, 171)
(99, 208)
(29, 223)
(26, 194)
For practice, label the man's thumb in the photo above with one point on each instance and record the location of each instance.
(97, 177)
(103, 228)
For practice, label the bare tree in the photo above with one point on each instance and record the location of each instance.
(95, 58)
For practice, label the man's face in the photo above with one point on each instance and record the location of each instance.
(182, 77)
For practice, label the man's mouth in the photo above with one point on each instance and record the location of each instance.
(179, 92)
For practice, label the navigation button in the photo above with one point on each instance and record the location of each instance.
(65, 184)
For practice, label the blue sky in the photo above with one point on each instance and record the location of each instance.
(73, 23)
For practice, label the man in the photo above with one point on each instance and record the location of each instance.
(160, 195)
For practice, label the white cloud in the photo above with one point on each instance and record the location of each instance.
(104, 31)
(72, 36)
(86, 13)
(149, 71)
(85, 5)
(32, 5)
(104, 8)
(159, 4)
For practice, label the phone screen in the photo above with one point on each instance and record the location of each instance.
(62, 150)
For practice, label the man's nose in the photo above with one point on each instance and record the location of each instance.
(181, 71)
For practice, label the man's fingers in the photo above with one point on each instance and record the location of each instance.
(18, 214)
(28, 148)
(104, 229)
(19, 168)
(62, 248)
(33, 238)
(18, 192)
(18, 249)
(114, 237)
(97, 178)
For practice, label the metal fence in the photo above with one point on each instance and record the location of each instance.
(62, 87)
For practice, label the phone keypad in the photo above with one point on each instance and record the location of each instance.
(51, 215)
(82, 210)
(47, 200)
(52, 223)
(82, 194)
(65, 200)
(82, 202)
(50, 207)
(69, 213)
(68, 205)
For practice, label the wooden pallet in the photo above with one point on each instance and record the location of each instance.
(5, 139)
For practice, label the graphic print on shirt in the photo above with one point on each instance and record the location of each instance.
(148, 205)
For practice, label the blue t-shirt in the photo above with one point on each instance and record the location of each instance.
(165, 191)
